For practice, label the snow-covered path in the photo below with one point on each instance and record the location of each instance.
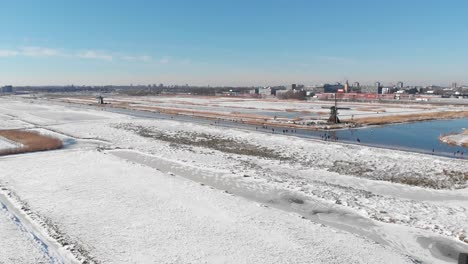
(17, 245)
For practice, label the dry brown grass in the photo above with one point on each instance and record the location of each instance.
(381, 120)
(31, 141)
(371, 109)
(322, 113)
(201, 113)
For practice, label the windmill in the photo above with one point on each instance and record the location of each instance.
(334, 113)
(100, 99)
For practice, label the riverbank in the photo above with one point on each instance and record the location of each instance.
(303, 124)
(460, 139)
(307, 115)
(393, 119)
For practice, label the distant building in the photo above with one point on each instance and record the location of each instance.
(346, 87)
(356, 84)
(264, 91)
(379, 87)
(310, 93)
(7, 89)
(270, 90)
(279, 93)
(371, 88)
(317, 89)
(332, 88)
(293, 86)
(454, 85)
(400, 85)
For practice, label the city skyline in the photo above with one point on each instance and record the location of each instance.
(239, 44)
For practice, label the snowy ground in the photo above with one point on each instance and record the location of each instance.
(17, 246)
(8, 122)
(137, 190)
(268, 108)
(120, 212)
(7, 144)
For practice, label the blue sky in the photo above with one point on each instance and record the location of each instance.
(233, 42)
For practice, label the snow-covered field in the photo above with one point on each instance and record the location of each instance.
(269, 108)
(143, 190)
(8, 122)
(120, 212)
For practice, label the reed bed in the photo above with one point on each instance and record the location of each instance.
(30, 142)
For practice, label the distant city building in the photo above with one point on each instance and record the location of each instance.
(368, 89)
(356, 84)
(379, 87)
(233, 92)
(7, 89)
(293, 86)
(282, 92)
(270, 90)
(317, 89)
(332, 88)
(265, 91)
(400, 84)
(454, 85)
(346, 87)
(310, 93)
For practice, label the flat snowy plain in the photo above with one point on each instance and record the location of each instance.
(133, 190)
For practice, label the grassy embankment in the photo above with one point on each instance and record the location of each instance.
(30, 141)
(382, 120)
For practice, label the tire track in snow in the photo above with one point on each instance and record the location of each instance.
(55, 245)
(44, 248)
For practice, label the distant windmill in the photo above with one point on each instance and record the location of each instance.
(334, 114)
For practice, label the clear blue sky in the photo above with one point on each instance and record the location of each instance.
(233, 42)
